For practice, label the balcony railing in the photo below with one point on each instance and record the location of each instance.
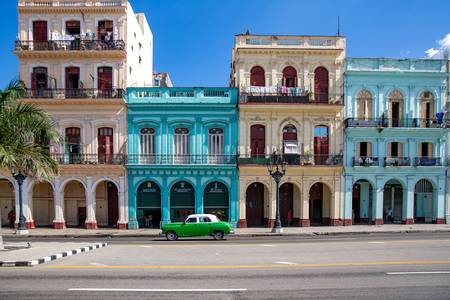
(308, 42)
(88, 159)
(366, 161)
(273, 94)
(70, 45)
(427, 161)
(406, 122)
(72, 3)
(294, 160)
(75, 93)
(171, 159)
(397, 161)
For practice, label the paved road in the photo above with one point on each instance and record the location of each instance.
(346, 267)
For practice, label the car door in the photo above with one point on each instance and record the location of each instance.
(204, 226)
(189, 227)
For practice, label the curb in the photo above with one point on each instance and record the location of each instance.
(38, 261)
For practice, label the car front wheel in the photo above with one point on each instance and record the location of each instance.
(218, 235)
(171, 236)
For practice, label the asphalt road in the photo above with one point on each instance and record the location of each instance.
(394, 266)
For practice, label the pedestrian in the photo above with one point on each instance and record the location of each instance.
(11, 218)
(289, 217)
(390, 215)
(146, 220)
(150, 220)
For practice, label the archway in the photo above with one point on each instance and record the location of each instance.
(289, 77)
(43, 204)
(148, 205)
(182, 201)
(216, 200)
(393, 202)
(319, 204)
(287, 204)
(254, 204)
(321, 85)
(75, 204)
(257, 76)
(7, 202)
(106, 204)
(362, 202)
(423, 201)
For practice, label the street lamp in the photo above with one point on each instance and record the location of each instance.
(277, 168)
(20, 178)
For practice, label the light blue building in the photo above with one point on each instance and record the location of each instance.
(396, 132)
(182, 154)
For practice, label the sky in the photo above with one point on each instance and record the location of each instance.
(193, 38)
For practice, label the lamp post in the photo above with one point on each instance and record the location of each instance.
(277, 168)
(22, 227)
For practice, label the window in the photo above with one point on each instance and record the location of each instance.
(73, 144)
(289, 77)
(105, 81)
(105, 144)
(290, 144)
(39, 78)
(105, 31)
(147, 144)
(320, 145)
(426, 150)
(181, 145)
(215, 141)
(321, 85)
(395, 109)
(364, 105)
(258, 140)
(191, 220)
(205, 220)
(257, 76)
(427, 114)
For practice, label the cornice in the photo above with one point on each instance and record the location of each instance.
(27, 10)
(111, 54)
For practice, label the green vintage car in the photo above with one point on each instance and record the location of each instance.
(197, 225)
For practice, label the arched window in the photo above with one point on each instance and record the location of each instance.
(147, 142)
(321, 85)
(181, 145)
(427, 113)
(289, 77)
(257, 76)
(258, 140)
(395, 109)
(364, 105)
(320, 145)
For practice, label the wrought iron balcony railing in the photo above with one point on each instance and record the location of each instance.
(294, 160)
(286, 95)
(171, 159)
(427, 161)
(74, 93)
(397, 161)
(366, 161)
(390, 122)
(70, 45)
(89, 159)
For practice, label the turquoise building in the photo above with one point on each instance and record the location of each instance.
(395, 158)
(181, 154)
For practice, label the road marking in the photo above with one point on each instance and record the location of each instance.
(284, 263)
(97, 264)
(376, 242)
(154, 290)
(418, 273)
(265, 266)
(268, 245)
(146, 246)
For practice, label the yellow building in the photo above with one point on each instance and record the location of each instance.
(76, 58)
(291, 102)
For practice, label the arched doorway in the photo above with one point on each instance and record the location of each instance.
(426, 110)
(254, 204)
(7, 202)
(395, 109)
(393, 202)
(290, 145)
(364, 105)
(423, 201)
(321, 145)
(287, 204)
(258, 140)
(321, 85)
(107, 204)
(148, 208)
(362, 202)
(216, 200)
(75, 204)
(182, 201)
(257, 76)
(289, 77)
(43, 204)
(319, 204)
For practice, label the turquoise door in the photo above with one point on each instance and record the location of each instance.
(148, 205)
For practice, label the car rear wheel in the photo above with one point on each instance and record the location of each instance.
(171, 236)
(218, 235)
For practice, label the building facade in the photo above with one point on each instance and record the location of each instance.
(291, 102)
(76, 59)
(396, 141)
(181, 154)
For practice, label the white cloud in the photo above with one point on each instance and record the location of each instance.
(443, 47)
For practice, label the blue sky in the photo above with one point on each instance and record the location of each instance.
(193, 38)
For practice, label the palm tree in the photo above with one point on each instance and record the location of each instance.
(26, 131)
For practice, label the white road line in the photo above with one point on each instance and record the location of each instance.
(146, 246)
(376, 242)
(284, 263)
(97, 264)
(418, 273)
(154, 290)
(268, 245)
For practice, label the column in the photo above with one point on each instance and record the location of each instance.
(304, 207)
(271, 197)
(28, 203)
(165, 201)
(377, 214)
(132, 220)
(335, 207)
(58, 222)
(234, 196)
(439, 207)
(242, 223)
(122, 222)
(198, 196)
(408, 201)
(90, 223)
(348, 200)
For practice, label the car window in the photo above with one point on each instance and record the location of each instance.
(205, 220)
(191, 220)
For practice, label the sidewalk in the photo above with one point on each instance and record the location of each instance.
(239, 232)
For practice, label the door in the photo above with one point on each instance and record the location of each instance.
(73, 147)
(105, 31)
(315, 203)
(73, 29)
(105, 82)
(321, 85)
(258, 140)
(254, 204)
(189, 228)
(105, 145)
(395, 114)
(113, 204)
(320, 145)
(286, 204)
(72, 82)
(40, 35)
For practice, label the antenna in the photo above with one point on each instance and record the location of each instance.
(338, 27)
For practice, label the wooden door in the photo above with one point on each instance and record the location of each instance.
(254, 205)
(104, 82)
(73, 148)
(321, 85)
(258, 140)
(105, 144)
(321, 145)
(72, 82)
(40, 35)
(113, 204)
(316, 203)
(286, 204)
(257, 76)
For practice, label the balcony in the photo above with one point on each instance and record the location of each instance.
(392, 123)
(397, 162)
(70, 45)
(170, 159)
(74, 94)
(295, 160)
(289, 42)
(88, 159)
(427, 161)
(72, 3)
(297, 95)
(366, 161)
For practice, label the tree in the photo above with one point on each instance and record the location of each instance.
(26, 131)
